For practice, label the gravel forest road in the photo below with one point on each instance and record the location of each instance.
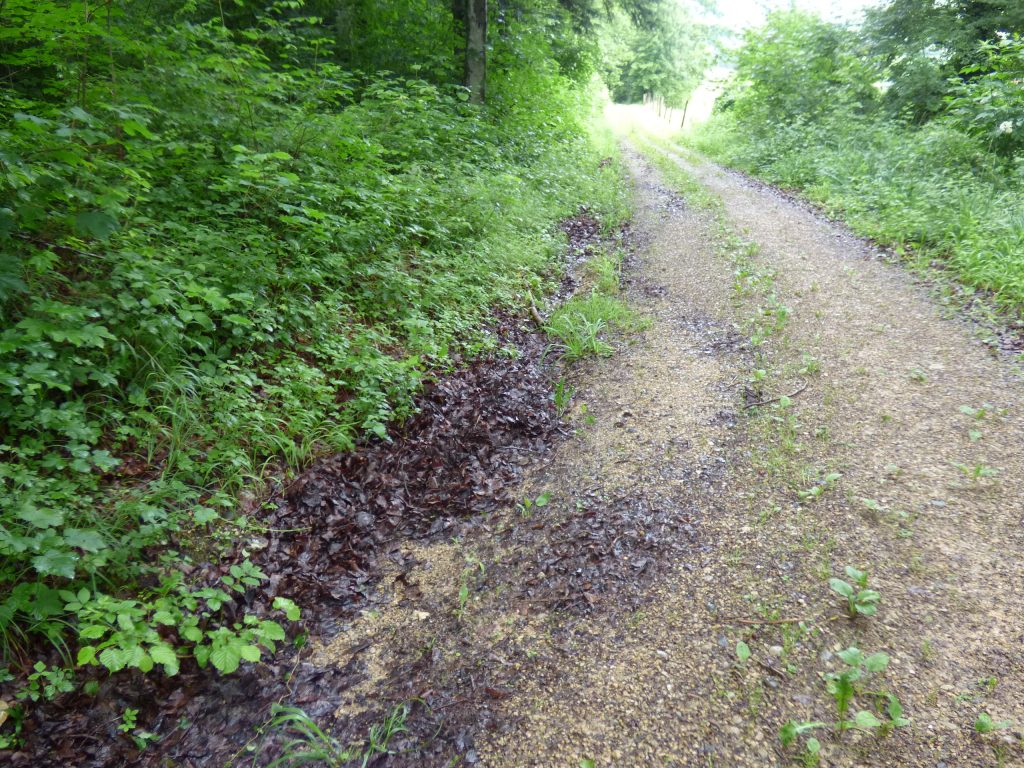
(796, 405)
(892, 442)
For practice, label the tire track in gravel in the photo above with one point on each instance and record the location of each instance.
(946, 551)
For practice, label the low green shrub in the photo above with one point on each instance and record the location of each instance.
(934, 190)
(811, 108)
(221, 255)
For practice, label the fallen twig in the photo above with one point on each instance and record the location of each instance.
(728, 622)
(534, 313)
(755, 622)
(772, 669)
(769, 401)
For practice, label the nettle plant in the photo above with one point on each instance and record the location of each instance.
(882, 715)
(860, 601)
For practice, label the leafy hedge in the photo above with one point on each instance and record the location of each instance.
(222, 255)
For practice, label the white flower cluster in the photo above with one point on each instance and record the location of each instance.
(1005, 127)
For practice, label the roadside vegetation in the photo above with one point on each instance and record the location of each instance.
(910, 127)
(235, 237)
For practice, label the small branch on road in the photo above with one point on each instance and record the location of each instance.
(534, 313)
(759, 403)
(731, 622)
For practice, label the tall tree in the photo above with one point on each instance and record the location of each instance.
(476, 50)
(654, 49)
(924, 44)
(469, 20)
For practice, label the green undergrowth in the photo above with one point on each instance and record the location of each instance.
(222, 255)
(946, 192)
(932, 193)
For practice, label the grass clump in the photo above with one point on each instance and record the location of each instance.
(306, 743)
(583, 326)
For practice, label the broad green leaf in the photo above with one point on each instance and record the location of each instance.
(792, 729)
(40, 518)
(841, 587)
(77, 113)
(202, 654)
(852, 656)
(226, 658)
(96, 224)
(787, 734)
(135, 128)
(93, 632)
(114, 659)
(894, 708)
(204, 515)
(985, 724)
(742, 651)
(858, 576)
(876, 662)
(56, 563)
(291, 610)
(271, 630)
(866, 720)
(165, 656)
(143, 661)
(81, 538)
(6, 222)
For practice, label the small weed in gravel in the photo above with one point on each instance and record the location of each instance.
(860, 601)
(815, 492)
(883, 715)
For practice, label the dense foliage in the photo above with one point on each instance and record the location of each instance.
(664, 59)
(911, 128)
(235, 236)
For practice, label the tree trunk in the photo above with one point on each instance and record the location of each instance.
(476, 49)
(459, 27)
(682, 123)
